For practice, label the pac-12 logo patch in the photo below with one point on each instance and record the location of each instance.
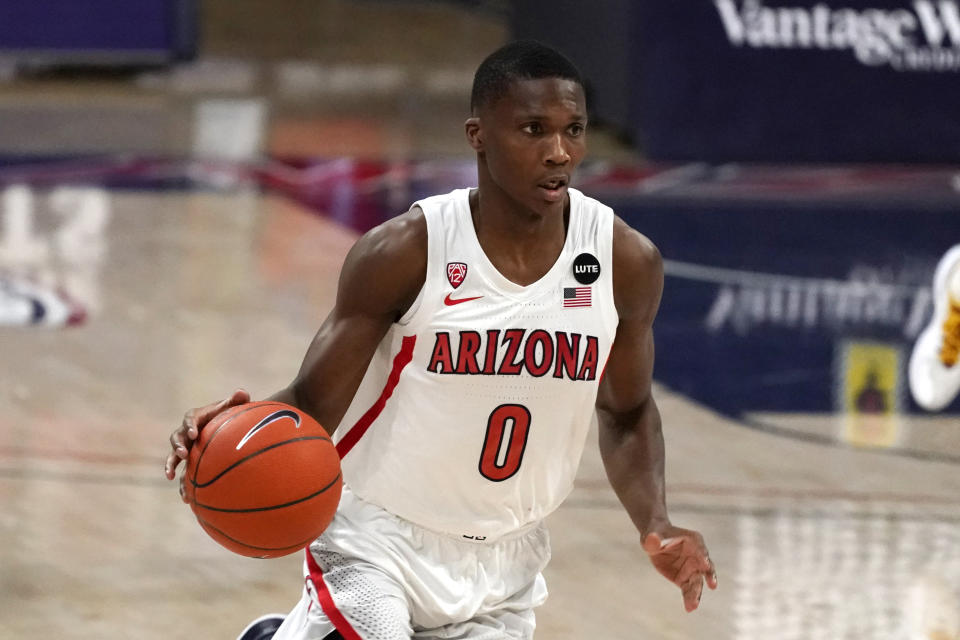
(456, 273)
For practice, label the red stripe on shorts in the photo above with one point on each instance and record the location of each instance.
(327, 603)
(401, 360)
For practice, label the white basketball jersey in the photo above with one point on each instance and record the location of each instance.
(472, 416)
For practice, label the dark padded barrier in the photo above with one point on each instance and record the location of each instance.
(598, 37)
(787, 290)
(119, 32)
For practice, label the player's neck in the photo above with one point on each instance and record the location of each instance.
(522, 244)
(495, 212)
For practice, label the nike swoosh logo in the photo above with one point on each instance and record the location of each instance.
(273, 417)
(452, 301)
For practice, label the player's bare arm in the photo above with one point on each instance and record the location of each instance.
(381, 277)
(631, 440)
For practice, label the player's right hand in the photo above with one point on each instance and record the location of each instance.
(193, 421)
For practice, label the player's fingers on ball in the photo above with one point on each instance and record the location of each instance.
(239, 396)
(182, 488)
(196, 419)
(170, 467)
(200, 417)
(178, 444)
(193, 421)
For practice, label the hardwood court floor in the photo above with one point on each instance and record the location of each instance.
(193, 293)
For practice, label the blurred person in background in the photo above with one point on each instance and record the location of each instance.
(934, 372)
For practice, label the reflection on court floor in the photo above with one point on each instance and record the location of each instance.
(835, 570)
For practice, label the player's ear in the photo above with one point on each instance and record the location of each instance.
(474, 136)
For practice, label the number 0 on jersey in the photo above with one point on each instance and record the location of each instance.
(505, 442)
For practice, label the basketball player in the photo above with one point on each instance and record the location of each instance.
(934, 371)
(472, 341)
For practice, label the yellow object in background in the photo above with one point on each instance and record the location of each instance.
(871, 387)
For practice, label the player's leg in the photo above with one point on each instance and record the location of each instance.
(351, 584)
(506, 603)
(347, 594)
(346, 598)
(934, 370)
(512, 619)
(500, 626)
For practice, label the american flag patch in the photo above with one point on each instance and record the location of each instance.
(576, 297)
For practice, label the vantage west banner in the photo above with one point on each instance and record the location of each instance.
(873, 80)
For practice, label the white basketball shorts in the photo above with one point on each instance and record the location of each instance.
(374, 576)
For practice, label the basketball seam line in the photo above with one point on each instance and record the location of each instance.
(271, 508)
(296, 546)
(198, 485)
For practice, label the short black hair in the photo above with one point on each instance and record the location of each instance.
(518, 60)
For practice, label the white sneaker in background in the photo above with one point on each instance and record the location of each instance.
(27, 304)
(934, 370)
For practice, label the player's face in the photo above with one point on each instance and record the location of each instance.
(532, 140)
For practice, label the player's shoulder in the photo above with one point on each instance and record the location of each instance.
(637, 269)
(387, 264)
(633, 251)
(400, 237)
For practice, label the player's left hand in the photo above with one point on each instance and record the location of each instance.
(682, 558)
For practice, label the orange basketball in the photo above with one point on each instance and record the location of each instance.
(263, 479)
